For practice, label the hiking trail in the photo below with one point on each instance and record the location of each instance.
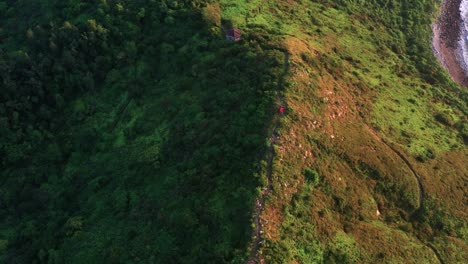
(417, 177)
(260, 202)
(408, 164)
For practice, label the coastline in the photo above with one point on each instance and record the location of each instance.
(446, 42)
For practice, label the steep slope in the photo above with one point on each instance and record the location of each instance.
(131, 132)
(372, 123)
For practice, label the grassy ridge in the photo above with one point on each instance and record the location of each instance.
(362, 75)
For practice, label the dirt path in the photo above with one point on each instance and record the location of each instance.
(260, 202)
(418, 180)
(408, 164)
(435, 251)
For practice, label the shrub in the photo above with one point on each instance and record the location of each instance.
(312, 176)
(445, 118)
(463, 130)
(428, 154)
(212, 14)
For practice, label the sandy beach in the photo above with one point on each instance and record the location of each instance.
(446, 41)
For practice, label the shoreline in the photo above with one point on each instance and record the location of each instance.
(446, 42)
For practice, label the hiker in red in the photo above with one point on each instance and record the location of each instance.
(282, 109)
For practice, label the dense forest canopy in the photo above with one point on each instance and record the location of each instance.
(123, 138)
(133, 132)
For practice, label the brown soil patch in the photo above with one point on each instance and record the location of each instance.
(296, 47)
(325, 130)
(291, 148)
(445, 179)
(272, 219)
(388, 245)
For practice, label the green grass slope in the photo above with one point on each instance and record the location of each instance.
(373, 121)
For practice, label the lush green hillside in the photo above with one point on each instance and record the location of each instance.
(133, 132)
(130, 132)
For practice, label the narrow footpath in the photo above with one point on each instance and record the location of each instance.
(260, 202)
(416, 176)
(418, 180)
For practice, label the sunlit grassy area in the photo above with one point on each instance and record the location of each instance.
(350, 69)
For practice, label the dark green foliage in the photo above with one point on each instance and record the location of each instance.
(463, 130)
(445, 118)
(428, 154)
(439, 220)
(130, 133)
(312, 176)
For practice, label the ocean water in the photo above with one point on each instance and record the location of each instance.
(463, 43)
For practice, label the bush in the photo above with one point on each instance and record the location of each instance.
(463, 130)
(212, 14)
(312, 177)
(445, 118)
(428, 154)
